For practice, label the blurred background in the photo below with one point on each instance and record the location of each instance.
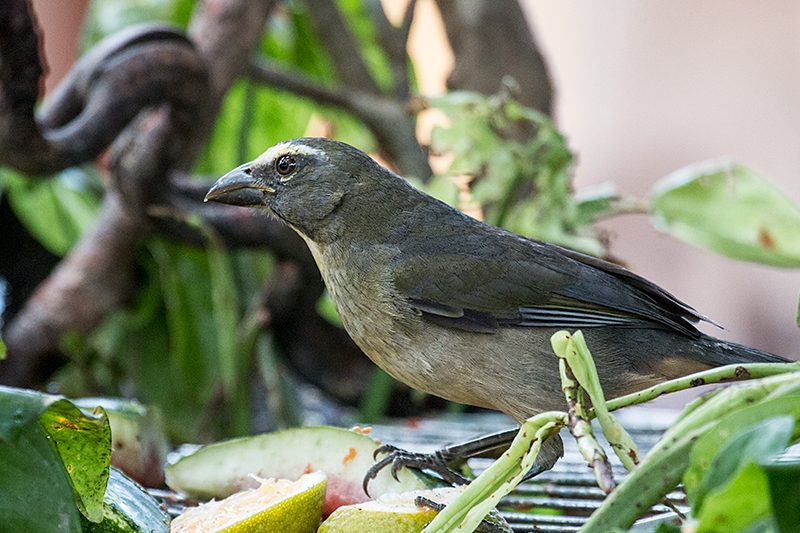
(638, 90)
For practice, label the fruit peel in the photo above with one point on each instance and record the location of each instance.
(276, 505)
(221, 469)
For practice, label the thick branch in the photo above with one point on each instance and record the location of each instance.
(226, 32)
(139, 67)
(236, 227)
(491, 39)
(95, 278)
(269, 73)
(92, 281)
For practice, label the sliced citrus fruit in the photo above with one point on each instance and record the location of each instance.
(396, 513)
(218, 470)
(277, 505)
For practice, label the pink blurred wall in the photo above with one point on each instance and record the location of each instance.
(645, 88)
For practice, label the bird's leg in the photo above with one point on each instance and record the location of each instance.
(439, 460)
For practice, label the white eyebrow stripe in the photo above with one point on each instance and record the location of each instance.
(288, 148)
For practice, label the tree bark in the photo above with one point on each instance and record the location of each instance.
(491, 39)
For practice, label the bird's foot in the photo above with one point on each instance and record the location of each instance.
(436, 462)
(439, 460)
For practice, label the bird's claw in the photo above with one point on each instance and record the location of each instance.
(399, 459)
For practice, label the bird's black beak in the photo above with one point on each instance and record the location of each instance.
(240, 187)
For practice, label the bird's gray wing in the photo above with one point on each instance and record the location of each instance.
(518, 282)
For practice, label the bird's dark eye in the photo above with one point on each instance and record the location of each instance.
(286, 165)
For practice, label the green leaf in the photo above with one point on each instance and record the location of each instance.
(3, 350)
(225, 308)
(37, 495)
(710, 445)
(737, 504)
(36, 492)
(756, 443)
(193, 370)
(521, 169)
(784, 486)
(83, 443)
(730, 209)
(138, 441)
(595, 202)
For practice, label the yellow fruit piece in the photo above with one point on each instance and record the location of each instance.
(277, 505)
(392, 513)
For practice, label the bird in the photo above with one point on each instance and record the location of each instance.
(461, 309)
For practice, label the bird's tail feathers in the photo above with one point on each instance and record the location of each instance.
(727, 353)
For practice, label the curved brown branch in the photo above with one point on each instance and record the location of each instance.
(136, 68)
(269, 73)
(236, 227)
(226, 32)
(95, 278)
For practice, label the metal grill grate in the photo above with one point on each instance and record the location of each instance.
(557, 501)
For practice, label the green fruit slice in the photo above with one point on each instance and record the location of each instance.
(396, 513)
(277, 505)
(220, 469)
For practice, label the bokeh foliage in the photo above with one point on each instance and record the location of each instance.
(186, 343)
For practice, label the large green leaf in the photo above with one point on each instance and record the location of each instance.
(42, 474)
(36, 494)
(730, 209)
(755, 443)
(83, 443)
(710, 446)
(737, 504)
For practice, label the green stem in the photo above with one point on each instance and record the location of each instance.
(715, 375)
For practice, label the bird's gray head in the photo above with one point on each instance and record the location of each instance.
(301, 181)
